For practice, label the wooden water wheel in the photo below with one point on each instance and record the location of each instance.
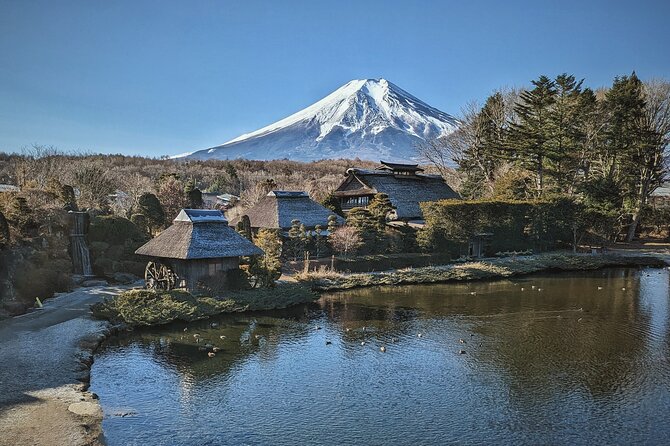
(159, 276)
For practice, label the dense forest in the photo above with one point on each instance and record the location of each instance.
(605, 148)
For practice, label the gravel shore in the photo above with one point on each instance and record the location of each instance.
(45, 359)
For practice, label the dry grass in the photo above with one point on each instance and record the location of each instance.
(493, 269)
(150, 307)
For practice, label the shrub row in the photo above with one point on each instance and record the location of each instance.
(514, 225)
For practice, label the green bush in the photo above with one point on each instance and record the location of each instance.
(113, 241)
(149, 307)
(115, 230)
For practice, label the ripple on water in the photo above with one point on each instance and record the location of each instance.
(562, 366)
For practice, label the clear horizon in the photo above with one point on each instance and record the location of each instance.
(161, 78)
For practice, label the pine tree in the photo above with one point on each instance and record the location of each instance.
(380, 207)
(624, 110)
(362, 221)
(332, 224)
(320, 241)
(295, 246)
(564, 131)
(267, 268)
(528, 138)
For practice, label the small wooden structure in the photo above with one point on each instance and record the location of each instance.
(404, 184)
(480, 245)
(197, 245)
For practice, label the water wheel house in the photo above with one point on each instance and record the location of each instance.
(404, 184)
(198, 244)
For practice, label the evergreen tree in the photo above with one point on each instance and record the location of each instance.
(150, 207)
(380, 207)
(320, 241)
(266, 269)
(244, 227)
(306, 237)
(362, 221)
(624, 109)
(528, 143)
(331, 202)
(141, 222)
(486, 140)
(228, 182)
(295, 244)
(332, 224)
(564, 132)
(193, 195)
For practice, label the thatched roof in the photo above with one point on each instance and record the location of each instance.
(278, 208)
(404, 191)
(199, 234)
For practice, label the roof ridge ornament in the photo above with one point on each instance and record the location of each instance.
(195, 216)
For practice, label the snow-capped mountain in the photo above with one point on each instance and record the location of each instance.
(367, 118)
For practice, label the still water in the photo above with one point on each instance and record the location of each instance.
(578, 358)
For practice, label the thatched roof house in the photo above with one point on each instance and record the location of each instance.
(278, 208)
(198, 244)
(403, 183)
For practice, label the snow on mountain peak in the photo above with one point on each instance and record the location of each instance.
(364, 118)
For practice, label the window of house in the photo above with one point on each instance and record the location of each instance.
(214, 267)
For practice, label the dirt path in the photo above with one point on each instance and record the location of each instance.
(44, 371)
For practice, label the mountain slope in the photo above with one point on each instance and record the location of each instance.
(369, 119)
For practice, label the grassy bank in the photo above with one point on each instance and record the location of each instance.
(150, 307)
(490, 269)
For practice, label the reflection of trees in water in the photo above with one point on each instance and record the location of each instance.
(244, 336)
(531, 341)
(537, 340)
(596, 350)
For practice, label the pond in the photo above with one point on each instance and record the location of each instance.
(568, 358)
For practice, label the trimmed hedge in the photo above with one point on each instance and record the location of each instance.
(515, 225)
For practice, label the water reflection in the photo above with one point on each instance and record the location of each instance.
(561, 359)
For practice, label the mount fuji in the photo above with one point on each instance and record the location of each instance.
(369, 119)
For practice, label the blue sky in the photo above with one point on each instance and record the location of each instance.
(165, 77)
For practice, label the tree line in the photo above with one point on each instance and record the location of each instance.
(605, 148)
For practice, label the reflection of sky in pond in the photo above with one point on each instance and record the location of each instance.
(548, 359)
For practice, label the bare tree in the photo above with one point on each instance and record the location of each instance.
(475, 146)
(345, 239)
(651, 159)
